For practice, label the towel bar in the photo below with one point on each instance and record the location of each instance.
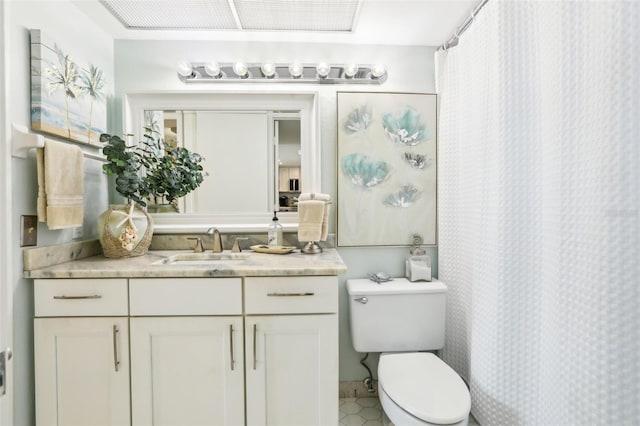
(22, 141)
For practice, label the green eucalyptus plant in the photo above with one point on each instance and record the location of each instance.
(125, 162)
(151, 168)
(171, 172)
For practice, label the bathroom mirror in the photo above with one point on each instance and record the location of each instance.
(254, 161)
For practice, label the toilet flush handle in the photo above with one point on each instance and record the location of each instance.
(362, 300)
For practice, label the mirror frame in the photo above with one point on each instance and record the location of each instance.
(134, 105)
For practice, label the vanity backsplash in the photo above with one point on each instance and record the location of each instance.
(42, 257)
(186, 242)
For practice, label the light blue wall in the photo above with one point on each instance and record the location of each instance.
(150, 66)
(63, 22)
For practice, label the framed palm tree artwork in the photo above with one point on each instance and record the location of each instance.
(387, 168)
(67, 96)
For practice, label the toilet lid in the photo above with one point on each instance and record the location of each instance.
(424, 386)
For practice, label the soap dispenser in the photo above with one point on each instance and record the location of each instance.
(274, 237)
(418, 264)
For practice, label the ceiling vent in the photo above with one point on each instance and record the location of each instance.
(297, 15)
(256, 15)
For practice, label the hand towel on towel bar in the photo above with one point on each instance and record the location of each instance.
(60, 185)
(307, 221)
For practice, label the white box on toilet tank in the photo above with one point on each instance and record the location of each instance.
(397, 316)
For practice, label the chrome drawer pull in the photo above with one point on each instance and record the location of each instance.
(289, 294)
(63, 297)
(116, 361)
(255, 332)
(231, 345)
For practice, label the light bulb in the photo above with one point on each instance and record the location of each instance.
(212, 69)
(378, 70)
(323, 69)
(295, 69)
(268, 69)
(241, 69)
(185, 69)
(350, 70)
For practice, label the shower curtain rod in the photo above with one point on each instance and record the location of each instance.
(453, 41)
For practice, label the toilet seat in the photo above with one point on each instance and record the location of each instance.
(424, 386)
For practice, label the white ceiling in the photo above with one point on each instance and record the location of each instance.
(388, 22)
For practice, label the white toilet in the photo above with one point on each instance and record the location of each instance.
(399, 318)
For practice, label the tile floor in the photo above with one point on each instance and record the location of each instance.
(367, 412)
(360, 412)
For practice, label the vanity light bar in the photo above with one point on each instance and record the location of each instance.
(322, 73)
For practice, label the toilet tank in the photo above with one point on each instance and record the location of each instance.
(396, 316)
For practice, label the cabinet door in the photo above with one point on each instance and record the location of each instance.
(82, 371)
(294, 173)
(187, 371)
(283, 179)
(292, 370)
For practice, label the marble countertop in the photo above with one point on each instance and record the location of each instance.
(152, 264)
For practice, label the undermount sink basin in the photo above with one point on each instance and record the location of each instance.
(203, 258)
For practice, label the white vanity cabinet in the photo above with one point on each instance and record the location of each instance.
(291, 341)
(186, 351)
(81, 337)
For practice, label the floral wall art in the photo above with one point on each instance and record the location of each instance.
(67, 95)
(387, 150)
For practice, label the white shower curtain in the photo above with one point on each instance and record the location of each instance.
(539, 211)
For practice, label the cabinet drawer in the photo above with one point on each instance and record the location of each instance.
(290, 295)
(80, 297)
(185, 296)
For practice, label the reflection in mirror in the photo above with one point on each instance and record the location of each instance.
(287, 142)
(241, 148)
(261, 152)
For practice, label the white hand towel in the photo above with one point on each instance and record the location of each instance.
(325, 222)
(60, 185)
(326, 198)
(314, 196)
(310, 216)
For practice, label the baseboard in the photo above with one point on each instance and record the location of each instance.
(357, 389)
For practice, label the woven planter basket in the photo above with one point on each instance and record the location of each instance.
(125, 232)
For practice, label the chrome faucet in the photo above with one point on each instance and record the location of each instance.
(199, 248)
(236, 245)
(217, 241)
